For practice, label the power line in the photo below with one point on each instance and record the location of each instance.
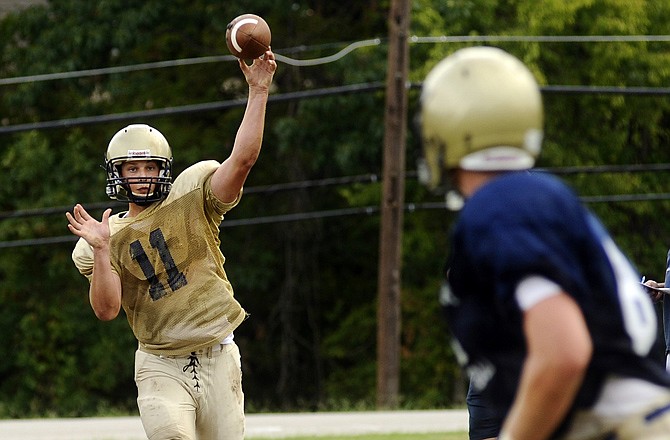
(348, 180)
(317, 215)
(603, 169)
(183, 62)
(58, 210)
(115, 69)
(219, 105)
(291, 96)
(364, 210)
(192, 61)
(335, 57)
(29, 242)
(607, 90)
(260, 190)
(329, 59)
(325, 92)
(617, 198)
(187, 109)
(541, 38)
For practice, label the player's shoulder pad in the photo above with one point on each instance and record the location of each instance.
(192, 177)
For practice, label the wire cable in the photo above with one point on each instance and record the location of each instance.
(607, 90)
(329, 59)
(284, 97)
(337, 56)
(185, 62)
(317, 215)
(347, 180)
(187, 109)
(541, 38)
(116, 69)
(261, 190)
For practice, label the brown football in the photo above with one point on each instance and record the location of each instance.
(248, 36)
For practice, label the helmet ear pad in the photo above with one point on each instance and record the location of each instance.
(138, 142)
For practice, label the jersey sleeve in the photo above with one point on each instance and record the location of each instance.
(216, 205)
(199, 175)
(82, 256)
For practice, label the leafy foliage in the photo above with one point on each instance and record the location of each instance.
(310, 285)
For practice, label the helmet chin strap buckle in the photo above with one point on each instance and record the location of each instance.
(454, 200)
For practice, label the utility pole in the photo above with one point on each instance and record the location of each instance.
(392, 205)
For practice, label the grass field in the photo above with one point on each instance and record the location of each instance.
(432, 436)
(435, 436)
(323, 426)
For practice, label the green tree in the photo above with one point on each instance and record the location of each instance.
(310, 285)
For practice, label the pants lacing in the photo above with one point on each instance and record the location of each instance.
(193, 363)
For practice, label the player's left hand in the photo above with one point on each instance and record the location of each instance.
(259, 74)
(81, 224)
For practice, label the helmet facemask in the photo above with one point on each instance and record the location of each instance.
(118, 187)
(431, 173)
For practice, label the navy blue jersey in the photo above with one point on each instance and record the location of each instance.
(530, 223)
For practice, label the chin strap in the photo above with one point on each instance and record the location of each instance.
(454, 200)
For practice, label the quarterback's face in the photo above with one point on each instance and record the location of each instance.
(139, 172)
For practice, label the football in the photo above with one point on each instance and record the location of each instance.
(248, 36)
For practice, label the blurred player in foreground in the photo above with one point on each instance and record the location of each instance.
(161, 262)
(549, 317)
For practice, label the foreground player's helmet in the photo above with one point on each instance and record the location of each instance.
(138, 142)
(481, 110)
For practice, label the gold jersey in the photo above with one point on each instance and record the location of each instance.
(175, 292)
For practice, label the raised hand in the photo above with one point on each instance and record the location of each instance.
(96, 233)
(260, 72)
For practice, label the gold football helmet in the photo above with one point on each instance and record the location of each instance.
(481, 110)
(138, 142)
